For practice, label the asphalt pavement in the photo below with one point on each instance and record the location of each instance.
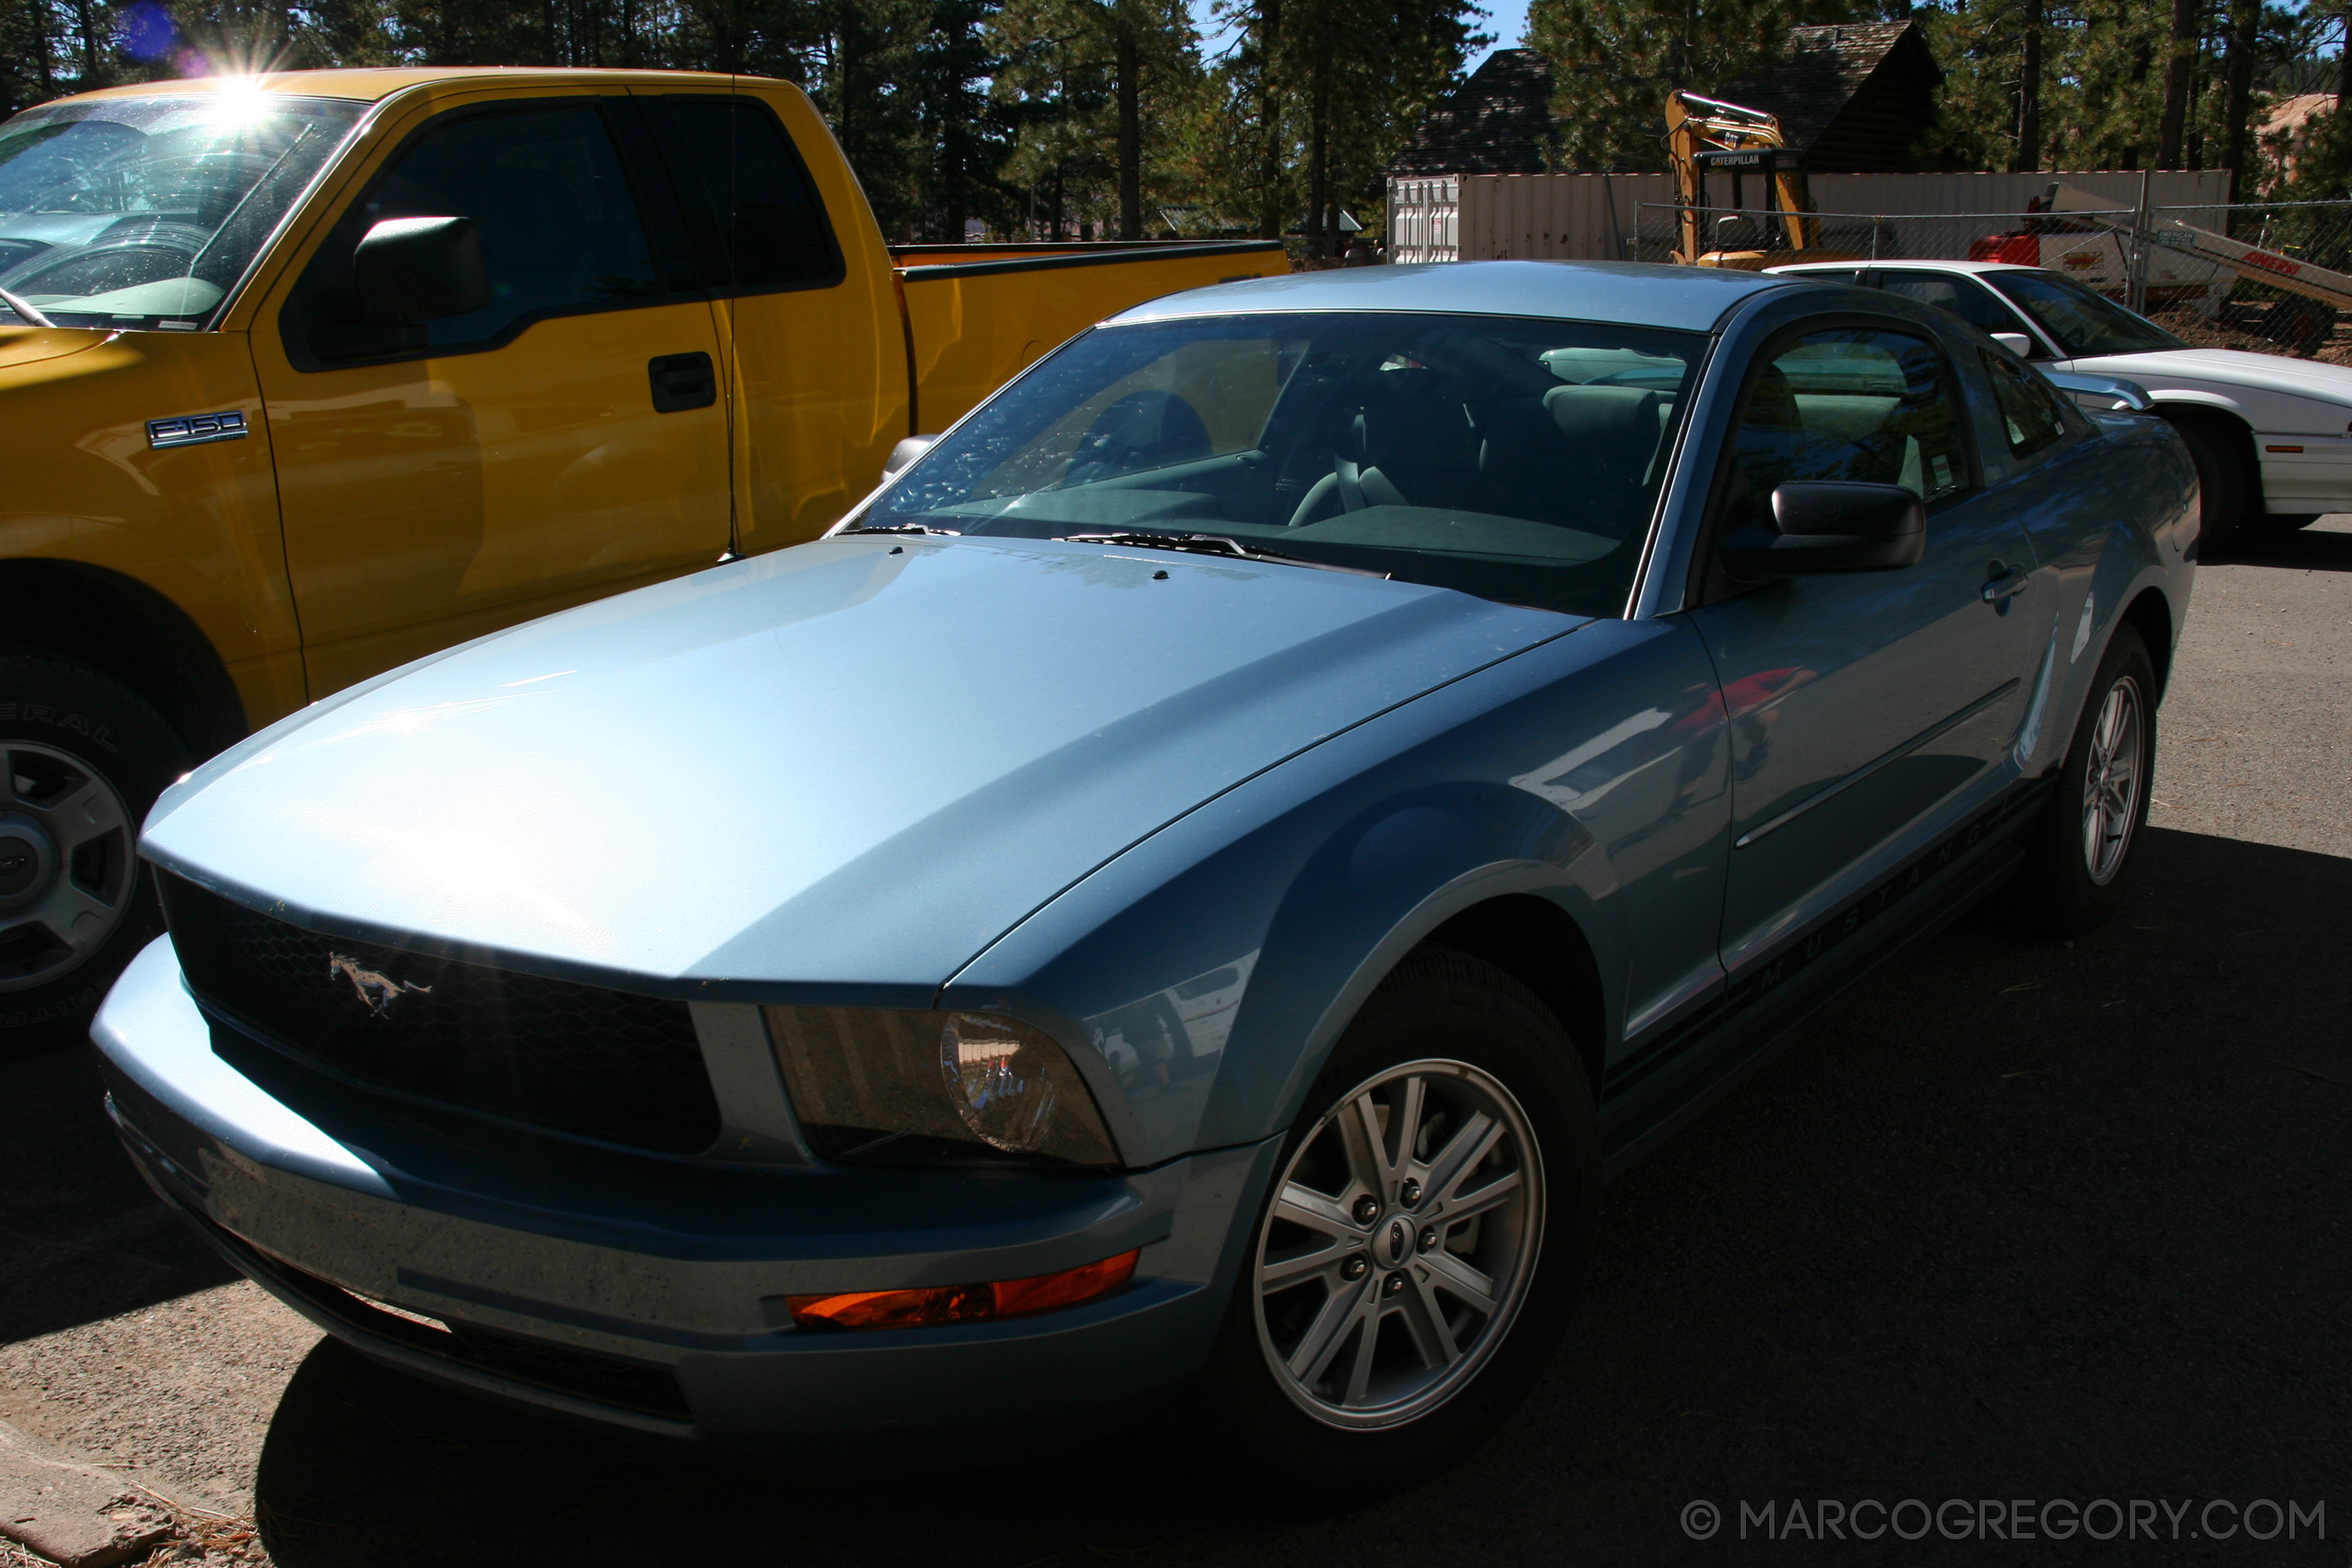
(2013, 1225)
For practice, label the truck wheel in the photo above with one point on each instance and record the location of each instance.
(2280, 523)
(1414, 1261)
(2078, 856)
(2223, 482)
(81, 759)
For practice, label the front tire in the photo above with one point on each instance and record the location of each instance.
(82, 760)
(2079, 857)
(2226, 485)
(1415, 1258)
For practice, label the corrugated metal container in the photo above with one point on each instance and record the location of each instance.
(1598, 217)
(1422, 215)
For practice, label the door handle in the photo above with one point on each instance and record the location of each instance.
(682, 381)
(2005, 581)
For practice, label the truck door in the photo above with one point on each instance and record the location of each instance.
(818, 366)
(441, 479)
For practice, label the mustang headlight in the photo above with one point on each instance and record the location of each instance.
(878, 1087)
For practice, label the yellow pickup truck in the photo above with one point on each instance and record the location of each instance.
(304, 375)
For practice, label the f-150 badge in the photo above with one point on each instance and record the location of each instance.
(195, 430)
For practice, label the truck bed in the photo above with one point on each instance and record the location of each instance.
(973, 323)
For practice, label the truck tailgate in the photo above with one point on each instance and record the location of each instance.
(973, 325)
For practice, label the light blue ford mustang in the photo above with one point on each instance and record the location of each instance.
(1178, 902)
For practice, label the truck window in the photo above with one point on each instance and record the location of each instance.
(559, 226)
(752, 215)
(1954, 295)
(144, 212)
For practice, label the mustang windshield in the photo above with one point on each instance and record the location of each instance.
(145, 211)
(2084, 321)
(1518, 460)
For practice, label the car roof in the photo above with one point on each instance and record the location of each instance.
(1689, 299)
(371, 85)
(1888, 264)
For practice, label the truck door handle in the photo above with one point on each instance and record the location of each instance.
(2006, 580)
(682, 381)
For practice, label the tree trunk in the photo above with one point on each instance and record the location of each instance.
(1318, 157)
(1129, 62)
(2028, 156)
(2344, 65)
(2178, 64)
(1269, 119)
(2238, 93)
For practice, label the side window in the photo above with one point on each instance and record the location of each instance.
(558, 224)
(1953, 296)
(2029, 412)
(752, 214)
(1852, 403)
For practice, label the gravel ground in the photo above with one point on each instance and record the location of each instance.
(2009, 1221)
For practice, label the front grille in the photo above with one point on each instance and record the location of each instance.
(546, 1053)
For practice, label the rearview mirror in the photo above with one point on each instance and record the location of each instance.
(906, 452)
(420, 269)
(2016, 343)
(1829, 525)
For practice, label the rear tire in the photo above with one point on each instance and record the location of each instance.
(2225, 484)
(1356, 1357)
(2279, 524)
(84, 759)
(2079, 856)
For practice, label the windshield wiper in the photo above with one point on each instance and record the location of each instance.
(901, 528)
(1214, 544)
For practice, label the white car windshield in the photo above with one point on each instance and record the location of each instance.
(144, 212)
(2083, 321)
(1518, 460)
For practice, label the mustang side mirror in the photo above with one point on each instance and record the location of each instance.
(1829, 525)
(419, 268)
(906, 452)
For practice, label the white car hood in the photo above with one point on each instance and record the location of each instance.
(2226, 370)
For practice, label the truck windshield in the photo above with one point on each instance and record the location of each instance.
(1518, 460)
(144, 212)
(2084, 321)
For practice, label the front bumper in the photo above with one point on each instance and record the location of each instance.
(649, 1292)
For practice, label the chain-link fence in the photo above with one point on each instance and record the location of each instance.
(2150, 264)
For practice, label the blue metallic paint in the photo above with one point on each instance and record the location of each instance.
(1184, 824)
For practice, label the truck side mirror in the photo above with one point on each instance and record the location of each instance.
(1830, 525)
(2016, 343)
(419, 268)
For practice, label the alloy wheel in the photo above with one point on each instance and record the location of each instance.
(2111, 780)
(1400, 1244)
(66, 869)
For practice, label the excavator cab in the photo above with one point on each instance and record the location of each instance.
(1705, 139)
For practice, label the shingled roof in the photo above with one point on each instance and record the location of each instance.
(1496, 122)
(1853, 98)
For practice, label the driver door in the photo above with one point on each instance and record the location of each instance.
(444, 478)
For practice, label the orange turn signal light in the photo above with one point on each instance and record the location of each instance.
(962, 1303)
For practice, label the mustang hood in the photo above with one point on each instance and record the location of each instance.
(851, 763)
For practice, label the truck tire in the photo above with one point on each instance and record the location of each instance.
(1396, 1298)
(2079, 855)
(2224, 480)
(84, 759)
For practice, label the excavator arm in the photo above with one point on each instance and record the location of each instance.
(1707, 133)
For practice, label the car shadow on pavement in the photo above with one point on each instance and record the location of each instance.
(2305, 550)
(82, 1237)
(2012, 1220)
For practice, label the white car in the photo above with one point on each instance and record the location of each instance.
(2272, 436)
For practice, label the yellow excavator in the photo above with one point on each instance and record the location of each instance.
(1703, 136)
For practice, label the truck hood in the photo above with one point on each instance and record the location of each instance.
(2226, 369)
(838, 771)
(22, 345)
